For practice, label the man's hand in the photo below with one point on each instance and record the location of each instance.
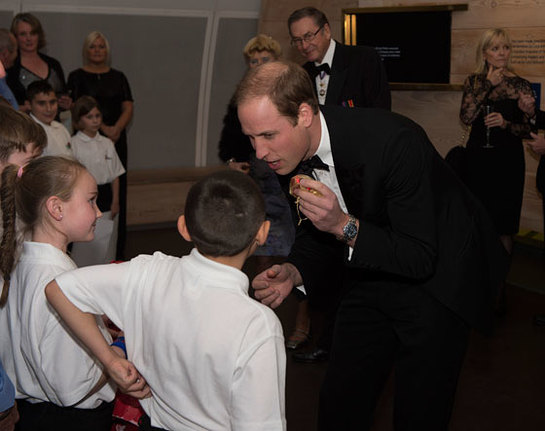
(273, 285)
(527, 104)
(537, 145)
(323, 211)
(127, 377)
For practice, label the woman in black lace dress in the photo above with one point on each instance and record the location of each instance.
(495, 151)
(495, 171)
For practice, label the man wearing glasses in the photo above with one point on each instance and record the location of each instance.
(349, 76)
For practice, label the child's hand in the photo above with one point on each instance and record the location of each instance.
(114, 209)
(127, 377)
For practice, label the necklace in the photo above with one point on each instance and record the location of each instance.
(322, 84)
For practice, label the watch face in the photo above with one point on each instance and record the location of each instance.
(350, 230)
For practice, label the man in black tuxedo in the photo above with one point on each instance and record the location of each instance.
(348, 76)
(343, 75)
(419, 261)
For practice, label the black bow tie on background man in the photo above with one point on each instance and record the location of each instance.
(307, 166)
(315, 71)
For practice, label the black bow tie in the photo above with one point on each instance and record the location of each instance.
(307, 166)
(321, 68)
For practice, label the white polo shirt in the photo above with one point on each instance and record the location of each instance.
(58, 139)
(213, 357)
(41, 357)
(98, 155)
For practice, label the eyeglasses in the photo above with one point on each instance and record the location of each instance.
(309, 37)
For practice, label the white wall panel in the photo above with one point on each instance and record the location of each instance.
(167, 49)
(229, 66)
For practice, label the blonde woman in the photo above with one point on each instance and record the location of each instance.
(111, 90)
(495, 154)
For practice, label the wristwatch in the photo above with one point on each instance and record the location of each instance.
(350, 230)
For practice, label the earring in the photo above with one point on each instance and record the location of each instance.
(60, 217)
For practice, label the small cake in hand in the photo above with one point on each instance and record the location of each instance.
(295, 184)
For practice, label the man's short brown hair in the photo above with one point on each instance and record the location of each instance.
(286, 84)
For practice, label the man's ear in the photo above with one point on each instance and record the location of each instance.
(306, 115)
(55, 207)
(327, 30)
(263, 232)
(182, 228)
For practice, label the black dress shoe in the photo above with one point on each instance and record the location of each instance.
(317, 355)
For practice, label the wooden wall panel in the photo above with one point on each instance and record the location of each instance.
(496, 13)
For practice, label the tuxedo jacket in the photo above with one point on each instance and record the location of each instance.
(419, 225)
(358, 77)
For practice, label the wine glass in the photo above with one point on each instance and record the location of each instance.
(487, 110)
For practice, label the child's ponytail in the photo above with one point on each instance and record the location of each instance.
(9, 240)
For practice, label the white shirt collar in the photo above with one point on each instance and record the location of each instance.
(328, 57)
(231, 278)
(85, 137)
(53, 123)
(324, 147)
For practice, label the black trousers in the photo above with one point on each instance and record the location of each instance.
(394, 326)
(122, 152)
(50, 417)
(145, 424)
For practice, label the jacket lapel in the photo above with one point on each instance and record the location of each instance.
(349, 169)
(337, 77)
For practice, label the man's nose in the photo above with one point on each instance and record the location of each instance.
(260, 149)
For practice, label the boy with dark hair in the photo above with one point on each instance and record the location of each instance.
(213, 357)
(43, 110)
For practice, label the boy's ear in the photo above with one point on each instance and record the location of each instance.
(263, 232)
(182, 228)
(54, 207)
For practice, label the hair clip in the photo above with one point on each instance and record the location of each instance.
(20, 172)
